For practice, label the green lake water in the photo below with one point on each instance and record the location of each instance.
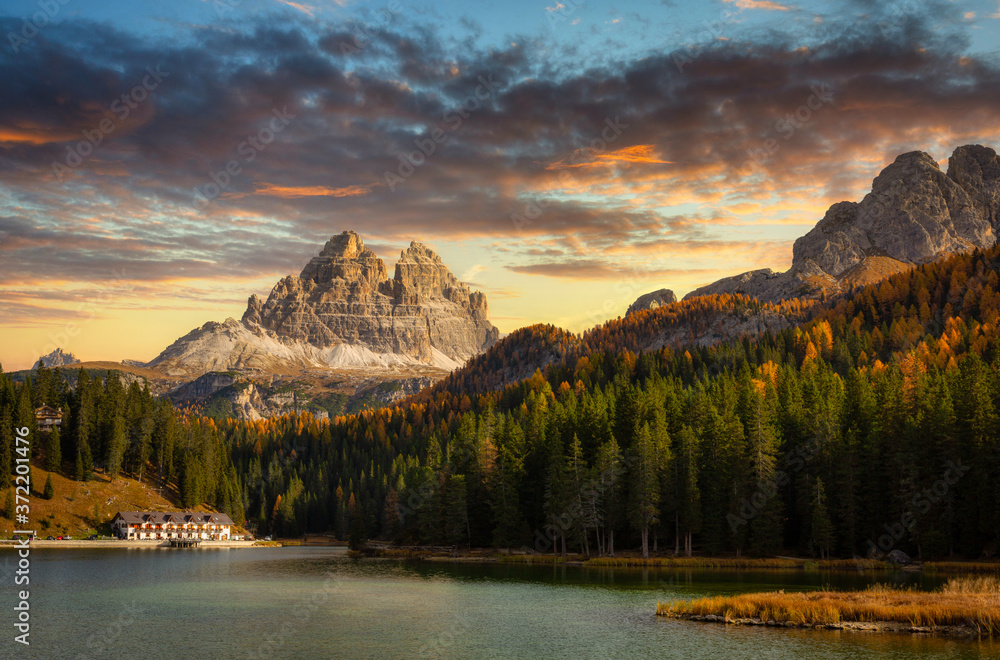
(317, 603)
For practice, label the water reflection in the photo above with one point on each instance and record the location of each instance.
(317, 603)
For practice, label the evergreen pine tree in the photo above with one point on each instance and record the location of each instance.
(8, 508)
(358, 536)
(456, 524)
(609, 473)
(6, 445)
(686, 487)
(117, 444)
(644, 501)
(822, 528)
(53, 450)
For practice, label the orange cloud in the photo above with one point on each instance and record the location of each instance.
(289, 192)
(640, 153)
(759, 4)
(32, 135)
(305, 9)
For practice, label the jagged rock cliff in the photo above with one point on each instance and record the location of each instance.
(914, 214)
(344, 311)
(57, 358)
(652, 300)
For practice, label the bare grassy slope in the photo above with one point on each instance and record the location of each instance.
(81, 508)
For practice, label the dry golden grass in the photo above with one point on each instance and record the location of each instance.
(973, 603)
(962, 566)
(79, 508)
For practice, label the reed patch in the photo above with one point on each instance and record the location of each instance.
(966, 605)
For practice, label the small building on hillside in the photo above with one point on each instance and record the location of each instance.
(152, 525)
(48, 418)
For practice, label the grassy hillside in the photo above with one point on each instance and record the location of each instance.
(81, 508)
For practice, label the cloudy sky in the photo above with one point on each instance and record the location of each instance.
(161, 161)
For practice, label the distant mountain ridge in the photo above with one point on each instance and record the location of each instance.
(57, 358)
(914, 214)
(343, 310)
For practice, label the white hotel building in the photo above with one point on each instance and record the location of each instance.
(151, 526)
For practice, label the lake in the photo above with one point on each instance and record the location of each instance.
(317, 603)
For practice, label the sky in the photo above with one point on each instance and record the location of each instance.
(161, 161)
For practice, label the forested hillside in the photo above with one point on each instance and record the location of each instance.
(877, 414)
(703, 321)
(120, 429)
(869, 426)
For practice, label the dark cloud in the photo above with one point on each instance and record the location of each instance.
(600, 150)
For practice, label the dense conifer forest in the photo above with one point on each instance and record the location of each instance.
(869, 424)
(122, 430)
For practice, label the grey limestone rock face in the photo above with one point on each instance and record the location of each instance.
(652, 300)
(57, 358)
(914, 214)
(344, 299)
(977, 170)
(344, 296)
(763, 284)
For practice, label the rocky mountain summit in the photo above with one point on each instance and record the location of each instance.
(914, 214)
(57, 358)
(652, 300)
(343, 310)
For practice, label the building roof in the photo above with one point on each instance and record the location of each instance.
(48, 411)
(178, 517)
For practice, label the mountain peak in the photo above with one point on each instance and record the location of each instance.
(57, 358)
(344, 305)
(347, 245)
(345, 257)
(652, 300)
(419, 252)
(913, 214)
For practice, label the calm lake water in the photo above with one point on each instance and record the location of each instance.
(316, 603)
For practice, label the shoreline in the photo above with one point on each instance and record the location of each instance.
(966, 607)
(707, 563)
(895, 627)
(76, 544)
